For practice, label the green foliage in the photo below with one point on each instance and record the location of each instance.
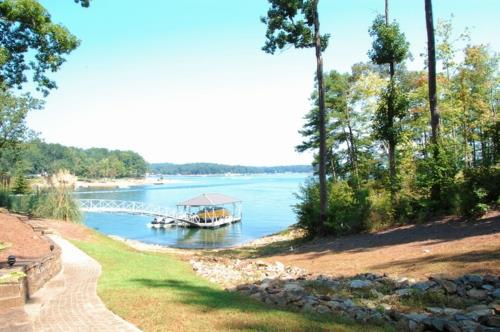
(59, 204)
(30, 41)
(21, 185)
(389, 44)
(478, 190)
(25, 204)
(209, 168)
(13, 112)
(4, 245)
(5, 199)
(393, 107)
(44, 158)
(291, 23)
(161, 290)
(11, 276)
(53, 203)
(348, 209)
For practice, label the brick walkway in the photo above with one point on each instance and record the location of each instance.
(69, 301)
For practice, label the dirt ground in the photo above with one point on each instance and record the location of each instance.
(68, 230)
(25, 243)
(448, 247)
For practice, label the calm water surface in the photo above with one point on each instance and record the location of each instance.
(267, 208)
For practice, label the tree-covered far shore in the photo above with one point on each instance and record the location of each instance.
(40, 158)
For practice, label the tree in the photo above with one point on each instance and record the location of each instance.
(297, 23)
(431, 65)
(13, 112)
(431, 58)
(31, 42)
(389, 47)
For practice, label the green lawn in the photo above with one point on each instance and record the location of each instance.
(158, 292)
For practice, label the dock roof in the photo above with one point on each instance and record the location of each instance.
(209, 200)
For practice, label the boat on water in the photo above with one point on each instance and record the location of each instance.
(162, 222)
(204, 211)
(210, 211)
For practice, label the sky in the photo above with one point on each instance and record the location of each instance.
(187, 81)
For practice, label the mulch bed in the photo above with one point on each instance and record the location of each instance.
(26, 244)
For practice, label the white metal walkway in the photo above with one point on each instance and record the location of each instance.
(116, 206)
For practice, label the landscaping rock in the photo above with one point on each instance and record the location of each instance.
(474, 279)
(280, 285)
(449, 286)
(359, 284)
(479, 294)
(493, 321)
(403, 292)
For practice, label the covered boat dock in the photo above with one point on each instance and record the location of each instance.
(209, 211)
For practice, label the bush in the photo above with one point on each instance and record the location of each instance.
(347, 212)
(21, 185)
(58, 203)
(478, 190)
(5, 199)
(55, 203)
(348, 209)
(381, 211)
(307, 209)
(25, 204)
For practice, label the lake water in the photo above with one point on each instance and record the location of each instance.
(267, 209)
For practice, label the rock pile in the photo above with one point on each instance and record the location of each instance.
(230, 273)
(468, 303)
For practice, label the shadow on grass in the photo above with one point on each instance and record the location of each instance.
(209, 299)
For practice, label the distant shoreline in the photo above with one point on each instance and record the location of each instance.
(120, 183)
(156, 179)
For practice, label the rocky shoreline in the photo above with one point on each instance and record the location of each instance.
(468, 303)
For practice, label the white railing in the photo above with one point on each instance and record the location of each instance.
(106, 205)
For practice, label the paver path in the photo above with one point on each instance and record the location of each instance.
(69, 301)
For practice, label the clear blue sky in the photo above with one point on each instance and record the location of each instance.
(186, 81)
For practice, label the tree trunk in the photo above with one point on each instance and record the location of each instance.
(322, 128)
(392, 169)
(431, 59)
(390, 115)
(354, 150)
(431, 52)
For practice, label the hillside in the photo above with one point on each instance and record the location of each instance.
(211, 168)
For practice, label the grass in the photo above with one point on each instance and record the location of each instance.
(158, 292)
(5, 245)
(417, 300)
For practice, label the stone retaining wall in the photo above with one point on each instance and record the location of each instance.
(41, 270)
(38, 271)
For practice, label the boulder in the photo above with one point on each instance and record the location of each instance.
(478, 294)
(360, 284)
(493, 321)
(474, 279)
(449, 286)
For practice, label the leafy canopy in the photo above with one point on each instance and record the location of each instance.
(13, 112)
(389, 44)
(30, 41)
(291, 22)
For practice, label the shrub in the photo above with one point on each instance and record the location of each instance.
(5, 199)
(21, 185)
(58, 203)
(348, 209)
(478, 189)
